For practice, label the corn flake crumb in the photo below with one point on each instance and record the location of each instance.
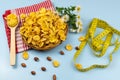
(56, 63)
(78, 66)
(25, 55)
(69, 47)
(81, 38)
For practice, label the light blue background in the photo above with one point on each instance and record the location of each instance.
(107, 10)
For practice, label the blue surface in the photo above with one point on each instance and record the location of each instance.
(107, 10)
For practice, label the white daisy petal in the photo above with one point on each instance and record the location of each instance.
(78, 23)
(65, 18)
(78, 16)
(77, 8)
(79, 29)
(73, 30)
(81, 22)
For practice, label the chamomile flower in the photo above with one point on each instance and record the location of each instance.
(77, 8)
(79, 29)
(73, 30)
(78, 16)
(78, 23)
(72, 17)
(65, 18)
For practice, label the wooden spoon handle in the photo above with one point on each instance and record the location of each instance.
(12, 48)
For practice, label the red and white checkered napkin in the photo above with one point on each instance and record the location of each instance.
(20, 45)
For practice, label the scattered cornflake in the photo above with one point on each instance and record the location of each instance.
(78, 66)
(25, 55)
(56, 63)
(69, 47)
(81, 38)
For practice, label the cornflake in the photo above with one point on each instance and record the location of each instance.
(81, 38)
(25, 55)
(56, 63)
(78, 66)
(22, 16)
(69, 47)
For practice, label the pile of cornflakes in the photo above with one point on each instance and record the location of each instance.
(12, 20)
(43, 29)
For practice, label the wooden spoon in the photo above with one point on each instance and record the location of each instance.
(13, 45)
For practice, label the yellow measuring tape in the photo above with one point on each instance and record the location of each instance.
(97, 44)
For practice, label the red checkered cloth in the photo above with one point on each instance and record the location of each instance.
(20, 45)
